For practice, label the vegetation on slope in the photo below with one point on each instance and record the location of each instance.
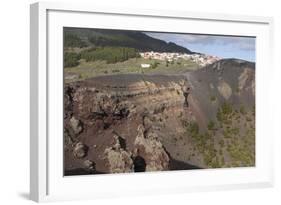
(71, 59)
(133, 65)
(229, 142)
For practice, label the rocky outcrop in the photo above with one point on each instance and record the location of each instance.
(98, 107)
(90, 165)
(148, 147)
(76, 125)
(148, 117)
(117, 159)
(80, 150)
(246, 81)
(225, 90)
(93, 104)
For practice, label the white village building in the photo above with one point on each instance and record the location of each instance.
(145, 65)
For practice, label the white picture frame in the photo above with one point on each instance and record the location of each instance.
(47, 182)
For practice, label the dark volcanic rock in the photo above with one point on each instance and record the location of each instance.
(151, 150)
(135, 123)
(117, 159)
(89, 165)
(80, 150)
(76, 125)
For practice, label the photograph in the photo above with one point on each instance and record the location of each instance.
(144, 101)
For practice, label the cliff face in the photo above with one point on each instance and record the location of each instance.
(136, 109)
(131, 123)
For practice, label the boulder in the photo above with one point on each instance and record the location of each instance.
(76, 125)
(80, 150)
(89, 165)
(224, 89)
(151, 150)
(118, 160)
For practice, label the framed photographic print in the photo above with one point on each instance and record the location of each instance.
(148, 101)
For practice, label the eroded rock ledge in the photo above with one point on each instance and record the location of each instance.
(139, 112)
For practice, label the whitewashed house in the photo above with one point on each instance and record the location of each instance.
(145, 65)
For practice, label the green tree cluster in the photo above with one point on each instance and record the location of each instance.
(109, 54)
(71, 59)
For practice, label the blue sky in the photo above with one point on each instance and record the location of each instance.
(221, 46)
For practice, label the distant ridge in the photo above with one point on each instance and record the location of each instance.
(232, 62)
(104, 37)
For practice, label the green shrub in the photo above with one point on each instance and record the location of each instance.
(115, 71)
(219, 116)
(154, 64)
(242, 110)
(254, 110)
(71, 59)
(249, 119)
(226, 109)
(227, 134)
(213, 98)
(222, 161)
(193, 128)
(225, 113)
(211, 125)
(235, 131)
(221, 143)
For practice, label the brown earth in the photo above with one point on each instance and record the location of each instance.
(134, 122)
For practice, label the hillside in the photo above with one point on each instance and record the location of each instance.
(77, 37)
(152, 122)
(228, 80)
